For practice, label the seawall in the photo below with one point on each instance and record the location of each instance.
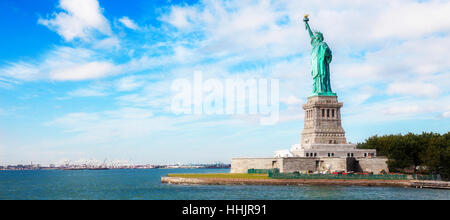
(300, 182)
(285, 182)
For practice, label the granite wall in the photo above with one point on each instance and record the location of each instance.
(302, 164)
(242, 165)
(374, 165)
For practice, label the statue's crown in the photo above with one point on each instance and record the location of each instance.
(318, 34)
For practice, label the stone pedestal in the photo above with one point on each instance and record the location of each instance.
(323, 147)
(323, 135)
(323, 121)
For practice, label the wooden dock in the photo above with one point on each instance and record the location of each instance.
(430, 184)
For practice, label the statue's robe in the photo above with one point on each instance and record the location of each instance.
(320, 62)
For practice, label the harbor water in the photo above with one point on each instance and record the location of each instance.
(146, 185)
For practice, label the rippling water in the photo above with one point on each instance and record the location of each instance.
(145, 184)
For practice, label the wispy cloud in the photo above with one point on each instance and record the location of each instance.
(90, 91)
(62, 64)
(127, 22)
(291, 100)
(418, 89)
(129, 83)
(446, 114)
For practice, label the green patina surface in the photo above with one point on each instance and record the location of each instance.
(321, 57)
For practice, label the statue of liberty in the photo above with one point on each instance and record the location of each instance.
(320, 62)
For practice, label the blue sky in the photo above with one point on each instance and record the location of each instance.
(83, 79)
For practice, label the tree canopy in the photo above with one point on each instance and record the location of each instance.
(425, 153)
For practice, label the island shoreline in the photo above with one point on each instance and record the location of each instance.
(302, 182)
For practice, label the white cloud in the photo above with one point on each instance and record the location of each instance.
(405, 19)
(180, 17)
(415, 56)
(90, 91)
(7, 83)
(154, 95)
(276, 26)
(90, 70)
(127, 22)
(62, 64)
(129, 83)
(396, 110)
(238, 27)
(417, 89)
(414, 63)
(291, 117)
(373, 23)
(80, 19)
(21, 71)
(107, 43)
(87, 93)
(291, 100)
(446, 114)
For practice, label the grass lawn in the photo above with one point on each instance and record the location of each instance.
(221, 175)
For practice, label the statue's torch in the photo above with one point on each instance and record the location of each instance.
(306, 19)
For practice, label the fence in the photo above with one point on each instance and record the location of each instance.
(430, 177)
(262, 171)
(276, 175)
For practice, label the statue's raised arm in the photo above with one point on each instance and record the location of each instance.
(320, 63)
(306, 19)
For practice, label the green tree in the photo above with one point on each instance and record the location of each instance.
(431, 158)
(429, 151)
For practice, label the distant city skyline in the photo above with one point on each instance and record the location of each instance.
(92, 78)
(95, 162)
